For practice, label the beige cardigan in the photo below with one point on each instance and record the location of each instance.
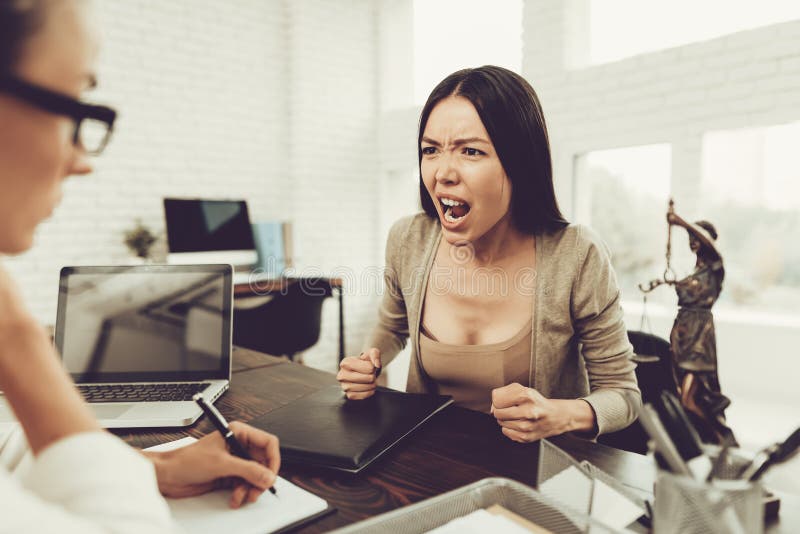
(579, 344)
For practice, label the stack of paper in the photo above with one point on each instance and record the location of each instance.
(493, 519)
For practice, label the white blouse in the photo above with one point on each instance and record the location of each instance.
(86, 483)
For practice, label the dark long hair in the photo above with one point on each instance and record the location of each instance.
(18, 21)
(511, 113)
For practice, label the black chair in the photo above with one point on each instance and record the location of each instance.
(654, 373)
(288, 323)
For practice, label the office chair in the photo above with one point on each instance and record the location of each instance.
(286, 324)
(654, 373)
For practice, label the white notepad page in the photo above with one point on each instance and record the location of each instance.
(608, 505)
(479, 522)
(211, 513)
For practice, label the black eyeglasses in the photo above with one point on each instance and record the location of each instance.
(93, 124)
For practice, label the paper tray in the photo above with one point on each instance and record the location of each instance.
(436, 511)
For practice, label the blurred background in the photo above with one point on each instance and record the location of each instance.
(308, 109)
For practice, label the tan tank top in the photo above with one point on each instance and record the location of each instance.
(470, 372)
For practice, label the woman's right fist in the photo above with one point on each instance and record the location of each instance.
(357, 375)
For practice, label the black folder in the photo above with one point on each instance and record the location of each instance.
(325, 429)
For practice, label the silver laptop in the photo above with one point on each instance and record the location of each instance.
(139, 341)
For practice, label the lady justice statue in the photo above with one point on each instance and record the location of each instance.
(692, 340)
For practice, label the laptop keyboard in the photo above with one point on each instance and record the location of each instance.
(141, 392)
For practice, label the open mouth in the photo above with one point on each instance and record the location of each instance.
(454, 210)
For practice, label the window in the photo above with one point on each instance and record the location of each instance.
(751, 192)
(624, 28)
(623, 195)
(454, 34)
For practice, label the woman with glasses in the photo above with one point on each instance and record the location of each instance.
(508, 308)
(80, 479)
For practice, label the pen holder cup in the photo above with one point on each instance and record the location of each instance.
(688, 506)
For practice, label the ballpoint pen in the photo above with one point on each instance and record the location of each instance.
(774, 454)
(222, 426)
(660, 438)
(683, 434)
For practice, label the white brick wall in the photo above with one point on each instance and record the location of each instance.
(200, 88)
(332, 154)
(268, 100)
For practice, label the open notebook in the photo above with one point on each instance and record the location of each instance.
(210, 513)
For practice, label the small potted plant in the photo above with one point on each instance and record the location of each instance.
(140, 239)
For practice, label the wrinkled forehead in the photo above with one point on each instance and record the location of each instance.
(454, 118)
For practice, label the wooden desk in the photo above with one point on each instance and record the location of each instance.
(455, 448)
(276, 285)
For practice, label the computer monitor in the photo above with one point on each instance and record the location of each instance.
(209, 231)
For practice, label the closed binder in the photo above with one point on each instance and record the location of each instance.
(325, 429)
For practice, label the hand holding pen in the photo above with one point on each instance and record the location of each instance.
(267, 453)
(207, 465)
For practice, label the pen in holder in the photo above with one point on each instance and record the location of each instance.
(725, 505)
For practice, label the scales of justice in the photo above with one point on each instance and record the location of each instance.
(692, 339)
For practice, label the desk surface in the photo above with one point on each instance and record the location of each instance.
(455, 448)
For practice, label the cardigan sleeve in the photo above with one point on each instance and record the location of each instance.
(390, 334)
(598, 321)
(86, 483)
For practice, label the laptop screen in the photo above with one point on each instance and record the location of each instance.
(148, 323)
(195, 225)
